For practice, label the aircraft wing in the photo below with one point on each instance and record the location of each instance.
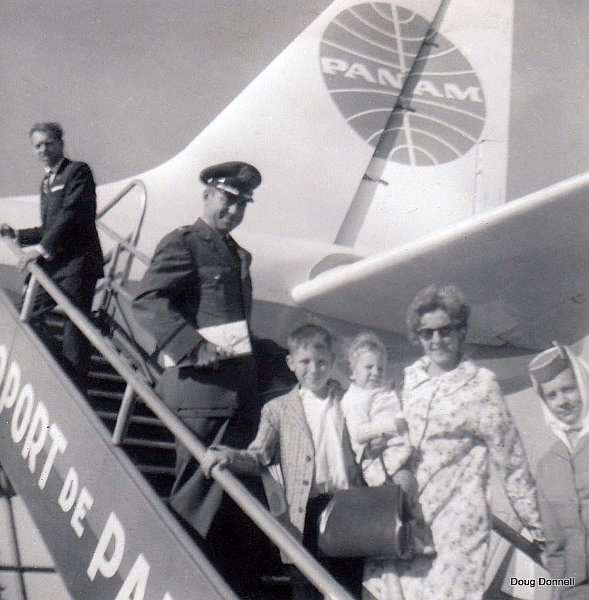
(524, 268)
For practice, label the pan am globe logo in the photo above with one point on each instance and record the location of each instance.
(373, 61)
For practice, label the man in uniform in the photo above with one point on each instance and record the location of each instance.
(199, 277)
(66, 245)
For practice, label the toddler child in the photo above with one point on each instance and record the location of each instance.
(377, 428)
(373, 413)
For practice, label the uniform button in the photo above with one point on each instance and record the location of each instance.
(305, 482)
(301, 509)
(217, 277)
(308, 459)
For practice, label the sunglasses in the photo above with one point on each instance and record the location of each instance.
(426, 333)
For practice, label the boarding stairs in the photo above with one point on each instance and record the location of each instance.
(147, 442)
(95, 465)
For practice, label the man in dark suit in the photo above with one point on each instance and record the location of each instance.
(199, 277)
(66, 245)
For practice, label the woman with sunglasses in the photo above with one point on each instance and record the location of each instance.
(457, 421)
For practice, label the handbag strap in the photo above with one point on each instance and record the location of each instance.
(416, 450)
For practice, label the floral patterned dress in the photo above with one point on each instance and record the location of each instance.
(456, 421)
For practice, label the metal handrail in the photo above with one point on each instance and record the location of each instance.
(143, 200)
(127, 244)
(304, 561)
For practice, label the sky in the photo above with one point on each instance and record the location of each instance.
(133, 84)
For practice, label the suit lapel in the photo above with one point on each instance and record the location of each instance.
(581, 443)
(58, 179)
(43, 195)
(245, 259)
(214, 240)
(296, 413)
(561, 451)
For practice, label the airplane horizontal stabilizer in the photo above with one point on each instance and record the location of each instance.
(523, 268)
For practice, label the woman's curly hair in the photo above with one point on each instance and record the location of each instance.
(448, 298)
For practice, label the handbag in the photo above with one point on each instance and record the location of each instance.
(367, 522)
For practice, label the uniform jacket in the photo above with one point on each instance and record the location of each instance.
(563, 489)
(195, 281)
(284, 439)
(68, 223)
(192, 282)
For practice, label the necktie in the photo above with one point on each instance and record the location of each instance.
(232, 247)
(46, 182)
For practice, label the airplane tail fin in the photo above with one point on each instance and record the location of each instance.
(442, 155)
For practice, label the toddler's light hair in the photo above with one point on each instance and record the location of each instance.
(364, 342)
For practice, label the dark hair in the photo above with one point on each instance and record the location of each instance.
(55, 130)
(309, 335)
(448, 298)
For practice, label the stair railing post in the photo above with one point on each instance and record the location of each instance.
(29, 300)
(124, 417)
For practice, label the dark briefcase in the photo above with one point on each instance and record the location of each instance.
(367, 521)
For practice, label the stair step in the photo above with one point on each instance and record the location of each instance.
(143, 455)
(149, 445)
(108, 405)
(108, 394)
(274, 580)
(156, 470)
(54, 320)
(146, 443)
(99, 359)
(140, 420)
(147, 433)
(104, 375)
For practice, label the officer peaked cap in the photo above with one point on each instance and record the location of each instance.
(548, 364)
(236, 178)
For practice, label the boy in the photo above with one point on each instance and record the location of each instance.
(304, 433)
(561, 381)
